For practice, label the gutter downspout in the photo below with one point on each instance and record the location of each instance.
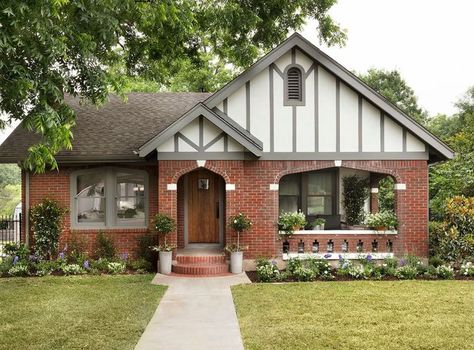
(27, 208)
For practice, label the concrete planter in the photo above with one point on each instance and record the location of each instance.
(165, 262)
(236, 262)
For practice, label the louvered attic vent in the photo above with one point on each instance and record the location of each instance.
(294, 88)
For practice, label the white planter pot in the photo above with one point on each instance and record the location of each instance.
(165, 262)
(236, 262)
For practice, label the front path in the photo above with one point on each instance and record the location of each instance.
(195, 313)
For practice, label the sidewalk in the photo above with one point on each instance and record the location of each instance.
(195, 313)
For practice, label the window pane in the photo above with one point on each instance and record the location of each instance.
(290, 185)
(90, 209)
(320, 183)
(319, 206)
(90, 202)
(131, 198)
(288, 203)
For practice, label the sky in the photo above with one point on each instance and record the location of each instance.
(429, 41)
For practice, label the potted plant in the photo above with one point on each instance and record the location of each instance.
(382, 220)
(355, 192)
(164, 225)
(239, 223)
(288, 223)
(318, 224)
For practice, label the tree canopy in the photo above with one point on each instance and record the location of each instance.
(49, 48)
(394, 88)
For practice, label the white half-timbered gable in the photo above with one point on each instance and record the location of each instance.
(297, 103)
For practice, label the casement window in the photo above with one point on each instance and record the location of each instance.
(294, 86)
(109, 197)
(314, 193)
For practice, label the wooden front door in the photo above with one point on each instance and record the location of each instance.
(203, 200)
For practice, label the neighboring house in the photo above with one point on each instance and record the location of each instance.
(281, 136)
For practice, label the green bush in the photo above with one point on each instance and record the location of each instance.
(46, 218)
(386, 195)
(5, 265)
(45, 268)
(309, 269)
(453, 239)
(304, 274)
(77, 249)
(435, 261)
(444, 272)
(355, 192)
(144, 252)
(99, 265)
(267, 271)
(105, 246)
(467, 269)
(140, 265)
(17, 249)
(116, 267)
(19, 270)
(406, 272)
(73, 269)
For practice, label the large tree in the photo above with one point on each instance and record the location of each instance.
(49, 48)
(391, 85)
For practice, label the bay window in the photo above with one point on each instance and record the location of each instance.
(109, 197)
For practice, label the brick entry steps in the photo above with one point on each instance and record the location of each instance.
(200, 265)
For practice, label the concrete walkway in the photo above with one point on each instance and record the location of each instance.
(194, 313)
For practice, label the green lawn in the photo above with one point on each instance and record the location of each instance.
(357, 315)
(78, 312)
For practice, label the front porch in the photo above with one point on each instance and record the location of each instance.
(255, 188)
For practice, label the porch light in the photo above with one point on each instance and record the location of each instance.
(330, 248)
(375, 246)
(345, 246)
(360, 246)
(315, 249)
(286, 247)
(389, 246)
(300, 247)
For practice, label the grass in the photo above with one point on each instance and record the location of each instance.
(357, 315)
(77, 312)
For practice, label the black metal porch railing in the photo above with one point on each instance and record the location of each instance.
(10, 229)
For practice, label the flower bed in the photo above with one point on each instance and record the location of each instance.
(303, 269)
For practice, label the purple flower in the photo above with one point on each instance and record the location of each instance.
(341, 258)
(327, 256)
(124, 256)
(369, 257)
(274, 263)
(15, 259)
(61, 255)
(86, 265)
(402, 262)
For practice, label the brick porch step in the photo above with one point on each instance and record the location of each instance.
(200, 259)
(200, 268)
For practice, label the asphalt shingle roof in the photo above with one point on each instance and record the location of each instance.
(113, 131)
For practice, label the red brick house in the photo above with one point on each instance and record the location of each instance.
(281, 136)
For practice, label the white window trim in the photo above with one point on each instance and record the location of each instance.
(110, 179)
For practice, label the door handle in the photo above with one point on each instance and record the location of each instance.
(217, 210)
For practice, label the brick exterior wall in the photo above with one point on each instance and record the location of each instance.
(56, 185)
(253, 196)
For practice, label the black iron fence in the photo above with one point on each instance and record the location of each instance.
(10, 229)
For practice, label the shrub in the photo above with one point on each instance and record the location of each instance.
(46, 218)
(73, 269)
(454, 238)
(387, 194)
(44, 268)
(355, 192)
(6, 265)
(303, 274)
(406, 272)
(321, 268)
(164, 225)
(77, 249)
(467, 269)
(361, 271)
(99, 265)
(267, 271)
(19, 270)
(140, 265)
(105, 246)
(144, 252)
(239, 223)
(17, 249)
(388, 267)
(444, 272)
(435, 261)
(116, 267)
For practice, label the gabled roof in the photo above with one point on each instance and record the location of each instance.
(218, 118)
(296, 40)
